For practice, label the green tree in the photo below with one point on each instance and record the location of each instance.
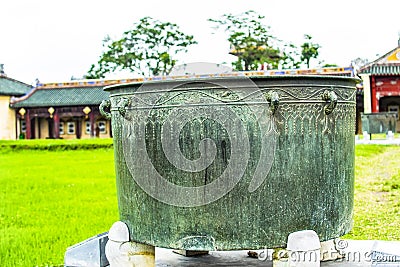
(328, 65)
(148, 49)
(290, 58)
(309, 50)
(250, 40)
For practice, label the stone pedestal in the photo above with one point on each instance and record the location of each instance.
(121, 252)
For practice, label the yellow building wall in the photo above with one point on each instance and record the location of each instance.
(7, 119)
(37, 128)
(66, 135)
(101, 135)
(44, 128)
(85, 135)
(107, 132)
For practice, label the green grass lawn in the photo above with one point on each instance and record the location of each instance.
(377, 193)
(50, 200)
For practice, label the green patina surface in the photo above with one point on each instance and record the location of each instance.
(309, 184)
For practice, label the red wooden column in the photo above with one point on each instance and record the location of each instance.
(92, 122)
(78, 128)
(56, 124)
(28, 124)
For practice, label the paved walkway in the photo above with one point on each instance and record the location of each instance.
(393, 141)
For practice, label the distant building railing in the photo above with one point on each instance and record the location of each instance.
(337, 71)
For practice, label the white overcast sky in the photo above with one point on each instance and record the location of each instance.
(54, 40)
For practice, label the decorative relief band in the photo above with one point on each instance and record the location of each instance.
(294, 110)
(226, 97)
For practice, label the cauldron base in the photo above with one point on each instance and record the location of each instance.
(166, 257)
(331, 253)
(357, 253)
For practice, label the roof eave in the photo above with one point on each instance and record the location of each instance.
(11, 94)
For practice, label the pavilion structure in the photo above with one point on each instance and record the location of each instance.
(381, 83)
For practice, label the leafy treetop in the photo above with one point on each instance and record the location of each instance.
(250, 40)
(149, 48)
(254, 45)
(309, 50)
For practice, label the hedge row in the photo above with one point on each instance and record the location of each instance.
(55, 144)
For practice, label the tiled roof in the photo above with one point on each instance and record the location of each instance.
(13, 87)
(67, 96)
(388, 64)
(381, 69)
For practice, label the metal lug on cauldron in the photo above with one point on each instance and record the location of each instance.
(273, 100)
(121, 252)
(123, 103)
(104, 109)
(331, 98)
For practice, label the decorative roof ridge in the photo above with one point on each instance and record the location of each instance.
(387, 63)
(384, 64)
(84, 83)
(103, 82)
(14, 100)
(49, 87)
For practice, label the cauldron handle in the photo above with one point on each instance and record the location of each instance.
(273, 100)
(122, 105)
(331, 98)
(105, 104)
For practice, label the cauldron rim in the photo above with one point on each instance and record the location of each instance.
(173, 80)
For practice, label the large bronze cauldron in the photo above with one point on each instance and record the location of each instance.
(229, 163)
